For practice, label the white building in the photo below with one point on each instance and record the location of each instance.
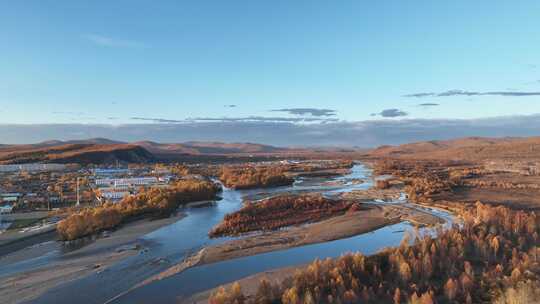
(117, 189)
(9, 199)
(123, 182)
(11, 194)
(5, 209)
(114, 195)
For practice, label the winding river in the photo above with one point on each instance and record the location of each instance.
(171, 244)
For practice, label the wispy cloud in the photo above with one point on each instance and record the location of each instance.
(157, 120)
(107, 41)
(237, 119)
(472, 93)
(266, 119)
(230, 106)
(428, 104)
(306, 111)
(391, 113)
(420, 95)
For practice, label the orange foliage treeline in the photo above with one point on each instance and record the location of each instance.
(321, 165)
(155, 201)
(279, 211)
(247, 177)
(493, 256)
(424, 180)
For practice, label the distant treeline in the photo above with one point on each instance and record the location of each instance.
(321, 165)
(152, 201)
(246, 177)
(492, 258)
(279, 211)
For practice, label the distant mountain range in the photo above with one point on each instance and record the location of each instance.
(469, 148)
(102, 150)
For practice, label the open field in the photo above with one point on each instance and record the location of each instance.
(495, 171)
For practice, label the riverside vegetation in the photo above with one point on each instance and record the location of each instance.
(280, 211)
(152, 202)
(247, 177)
(492, 257)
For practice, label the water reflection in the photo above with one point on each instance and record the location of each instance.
(208, 276)
(172, 243)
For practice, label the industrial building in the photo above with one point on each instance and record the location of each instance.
(129, 182)
(114, 195)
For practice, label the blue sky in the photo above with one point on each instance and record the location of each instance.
(107, 62)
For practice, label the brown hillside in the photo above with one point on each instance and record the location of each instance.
(207, 148)
(74, 153)
(100, 150)
(472, 149)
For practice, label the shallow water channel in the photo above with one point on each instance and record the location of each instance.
(170, 244)
(203, 277)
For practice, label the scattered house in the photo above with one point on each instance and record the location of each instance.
(111, 189)
(69, 197)
(110, 172)
(54, 199)
(11, 194)
(161, 171)
(10, 199)
(6, 209)
(528, 168)
(34, 199)
(191, 176)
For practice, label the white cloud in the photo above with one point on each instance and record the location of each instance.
(113, 42)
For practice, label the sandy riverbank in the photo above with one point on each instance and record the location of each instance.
(370, 218)
(364, 221)
(65, 267)
(342, 226)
